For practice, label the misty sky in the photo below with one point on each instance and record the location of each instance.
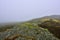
(21, 10)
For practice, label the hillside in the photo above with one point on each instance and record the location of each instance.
(45, 28)
(57, 17)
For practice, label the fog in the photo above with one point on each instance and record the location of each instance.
(22, 10)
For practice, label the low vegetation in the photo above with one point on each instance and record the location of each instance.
(45, 30)
(53, 26)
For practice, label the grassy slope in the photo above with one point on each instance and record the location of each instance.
(26, 31)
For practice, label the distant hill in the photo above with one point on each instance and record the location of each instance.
(57, 17)
(52, 17)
